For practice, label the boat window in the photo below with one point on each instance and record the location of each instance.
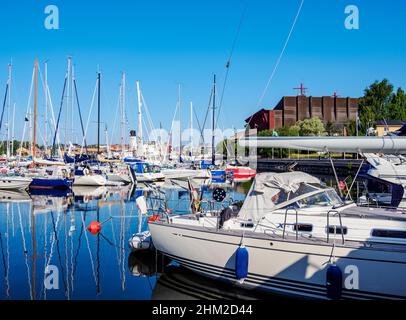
(303, 227)
(337, 230)
(327, 198)
(383, 233)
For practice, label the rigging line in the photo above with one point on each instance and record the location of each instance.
(88, 248)
(4, 259)
(27, 114)
(4, 105)
(198, 122)
(279, 57)
(77, 251)
(25, 251)
(80, 113)
(90, 114)
(59, 113)
(228, 64)
(58, 250)
(113, 131)
(208, 107)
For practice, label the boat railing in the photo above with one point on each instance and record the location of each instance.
(284, 223)
(335, 227)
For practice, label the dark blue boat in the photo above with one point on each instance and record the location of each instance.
(46, 183)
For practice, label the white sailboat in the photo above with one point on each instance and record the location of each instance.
(292, 236)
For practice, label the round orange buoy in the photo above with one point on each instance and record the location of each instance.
(154, 218)
(94, 227)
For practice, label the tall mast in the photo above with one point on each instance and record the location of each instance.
(191, 127)
(213, 156)
(98, 112)
(8, 109)
(12, 130)
(46, 105)
(34, 145)
(72, 102)
(122, 88)
(139, 133)
(67, 104)
(180, 125)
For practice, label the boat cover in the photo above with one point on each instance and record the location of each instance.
(263, 195)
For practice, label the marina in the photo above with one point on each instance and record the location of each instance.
(156, 152)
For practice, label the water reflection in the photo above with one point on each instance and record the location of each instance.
(40, 229)
(44, 229)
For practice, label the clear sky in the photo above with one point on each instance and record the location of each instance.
(163, 43)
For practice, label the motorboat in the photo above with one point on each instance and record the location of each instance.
(292, 236)
(118, 174)
(87, 177)
(144, 172)
(392, 169)
(14, 182)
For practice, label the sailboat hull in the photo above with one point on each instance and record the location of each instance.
(282, 266)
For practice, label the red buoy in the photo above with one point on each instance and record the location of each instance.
(94, 227)
(154, 218)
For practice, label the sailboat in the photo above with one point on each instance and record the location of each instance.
(51, 175)
(292, 236)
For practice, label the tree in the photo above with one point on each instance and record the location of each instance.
(311, 127)
(397, 107)
(378, 96)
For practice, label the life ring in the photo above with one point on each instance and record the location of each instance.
(86, 171)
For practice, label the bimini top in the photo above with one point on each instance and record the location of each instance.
(271, 191)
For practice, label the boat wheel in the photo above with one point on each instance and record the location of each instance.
(219, 194)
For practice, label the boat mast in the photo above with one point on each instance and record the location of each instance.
(34, 146)
(180, 125)
(72, 103)
(8, 110)
(67, 105)
(122, 88)
(46, 104)
(98, 112)
(191, 128)
(12, 130)
(139, 133)
(213, 156)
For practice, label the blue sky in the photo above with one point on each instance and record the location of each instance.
(163, 43)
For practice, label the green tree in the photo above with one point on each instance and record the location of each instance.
(397, 107)
(311, 127)
(378, 103)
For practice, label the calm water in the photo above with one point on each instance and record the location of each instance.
(40, 230)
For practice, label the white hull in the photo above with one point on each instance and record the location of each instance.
(149, 177)
(94, 180)
(123, 178)
(283, 266)
(14, 183)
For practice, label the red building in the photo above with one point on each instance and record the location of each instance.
(291, 109)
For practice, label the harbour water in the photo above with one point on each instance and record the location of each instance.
(38, 230)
